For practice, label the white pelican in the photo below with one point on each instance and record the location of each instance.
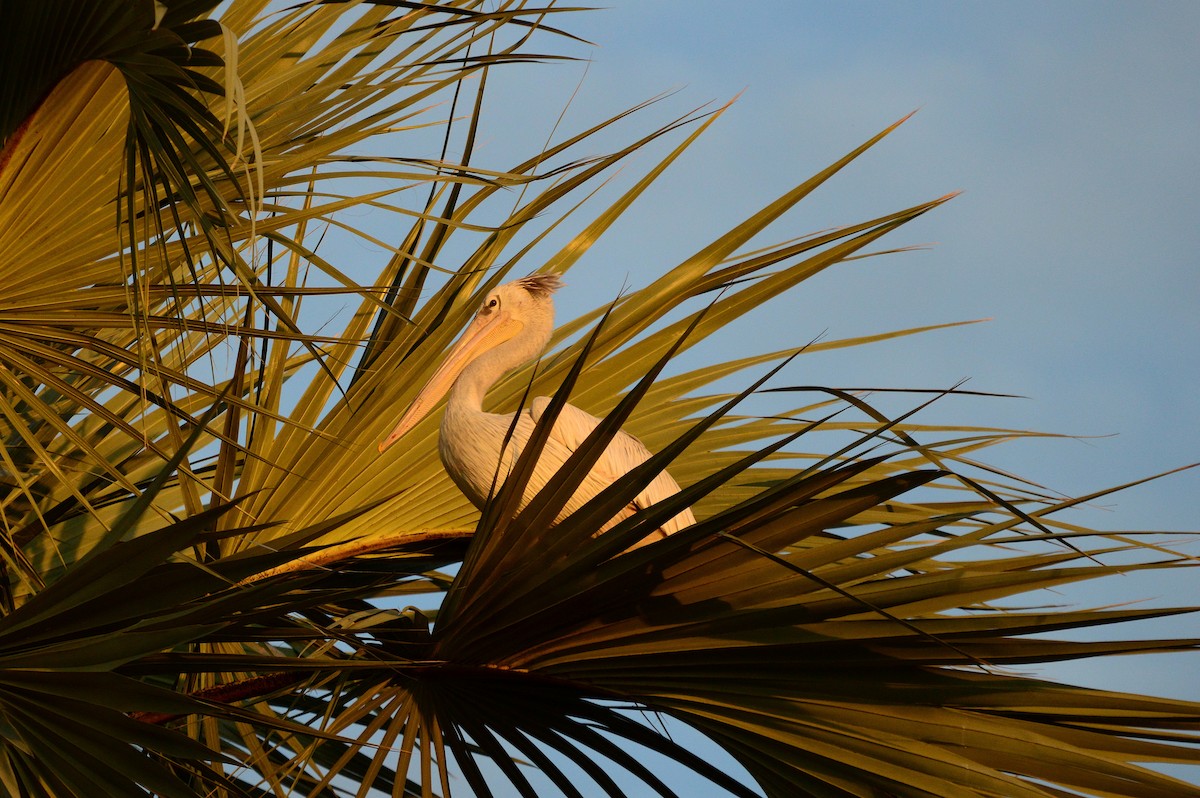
(511, 328)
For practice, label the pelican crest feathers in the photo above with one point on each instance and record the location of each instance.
(540, 285)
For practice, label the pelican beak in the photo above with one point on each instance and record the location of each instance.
(485, 333)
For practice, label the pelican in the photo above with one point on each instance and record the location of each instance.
(511, 328)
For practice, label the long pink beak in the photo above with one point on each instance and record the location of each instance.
(485, 333)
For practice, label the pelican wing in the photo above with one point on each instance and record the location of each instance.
(623, 453)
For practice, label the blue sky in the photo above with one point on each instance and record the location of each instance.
(1071, 128)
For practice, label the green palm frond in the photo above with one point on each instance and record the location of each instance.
(819, 669)
(215, 586)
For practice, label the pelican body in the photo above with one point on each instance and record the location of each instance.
(511, 328)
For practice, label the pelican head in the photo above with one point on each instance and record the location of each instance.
(511, 327)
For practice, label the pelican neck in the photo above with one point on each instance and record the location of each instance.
(473, 383)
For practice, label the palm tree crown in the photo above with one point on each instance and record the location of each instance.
(212, 578)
